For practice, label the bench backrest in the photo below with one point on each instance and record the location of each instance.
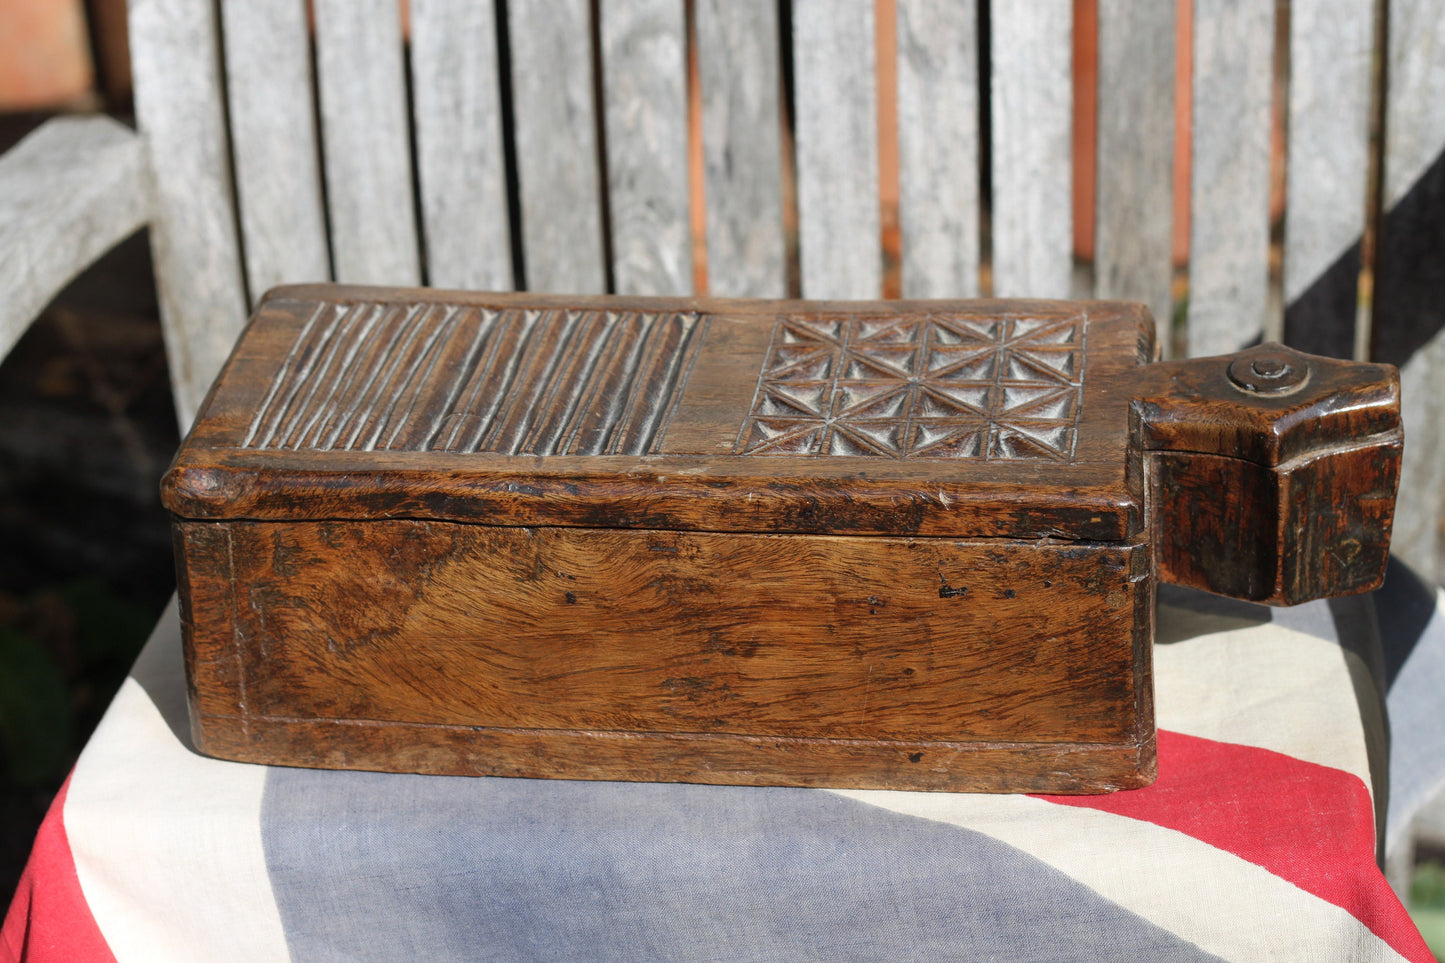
(545, 144)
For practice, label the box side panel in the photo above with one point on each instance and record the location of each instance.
(206, 591)
(674, 655)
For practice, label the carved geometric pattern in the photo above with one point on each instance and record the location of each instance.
(429, 377)
(932, 386)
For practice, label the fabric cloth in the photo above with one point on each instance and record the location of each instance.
(1412, 629)
(1258, 842)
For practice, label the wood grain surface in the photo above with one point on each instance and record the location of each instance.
(938, 149)
(1229, 194)
(178, 103)
(836, 91)
(898, 545)
(644, 90)
(887, 663)
(271, 102)
(68, 192)
(558, 157)
(461, 171)
(936, 418)
(366, 136)
(1327, 167)
(1408, 303)
(1272, 473)
(739, 67)
(1133, 225)
(1033, 106)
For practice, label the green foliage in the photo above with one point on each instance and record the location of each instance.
(1427, 904)
(110, 629)
(56, 681)
(1427, 886)
(1432, 928)
(35, 716)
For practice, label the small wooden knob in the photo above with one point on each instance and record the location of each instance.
(1271, 473)
(1268, 370)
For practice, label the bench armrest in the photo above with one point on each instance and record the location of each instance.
(69, 192)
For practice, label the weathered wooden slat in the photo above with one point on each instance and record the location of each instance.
(938, 147)
(273, 137)
(835, 90)
(175, 62)
(1033, 103)
(738, 63)
(1409, 309)
(1329, 104)
(460, 164)
(1229, 194)
(366, 141)
(644, 82)
(556, 144)
(1135, 216)
(68, 192)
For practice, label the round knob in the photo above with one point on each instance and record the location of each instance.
(1269, 369)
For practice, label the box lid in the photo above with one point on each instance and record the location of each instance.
(939, 418)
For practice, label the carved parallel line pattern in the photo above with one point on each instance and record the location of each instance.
(372, 377)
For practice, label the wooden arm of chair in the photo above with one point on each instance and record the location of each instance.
(69, 192)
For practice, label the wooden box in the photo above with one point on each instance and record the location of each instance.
(897, 544)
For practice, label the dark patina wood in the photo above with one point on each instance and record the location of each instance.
(889, 545)
(1272, 473)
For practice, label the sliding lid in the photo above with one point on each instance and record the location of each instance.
(1001, 419)
(987, 419)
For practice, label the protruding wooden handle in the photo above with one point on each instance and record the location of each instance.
(1271, 473)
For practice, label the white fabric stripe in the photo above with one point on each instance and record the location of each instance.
(1417, 750)
(188, 882)
(1223, 904)
(1269, 687)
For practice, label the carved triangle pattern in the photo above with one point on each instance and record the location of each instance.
(937, 386)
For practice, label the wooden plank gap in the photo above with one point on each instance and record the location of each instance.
(1278, 166)
(890, 240)
(983, 169)
(509, 147)
(320, 137)
(790, 149)
(599, 121)
(223, 83)
(418, 201)
(696, 172)
(1084, 139)
(1374, 186)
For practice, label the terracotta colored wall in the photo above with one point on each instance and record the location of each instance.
(45, 59)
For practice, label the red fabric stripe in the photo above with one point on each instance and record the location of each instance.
(49, 920)
(1309, 824)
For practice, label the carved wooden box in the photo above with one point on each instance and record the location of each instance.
(897, 545)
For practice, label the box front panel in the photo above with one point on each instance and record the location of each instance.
(540, 637)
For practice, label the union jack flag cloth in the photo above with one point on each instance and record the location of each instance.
(1257, 843)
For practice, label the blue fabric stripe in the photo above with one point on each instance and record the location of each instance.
(368, 866)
